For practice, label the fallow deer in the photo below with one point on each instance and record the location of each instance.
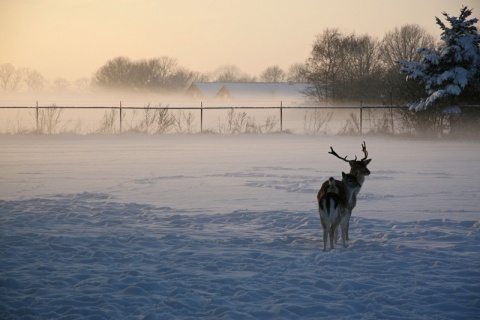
(334, 205)
(357, 168)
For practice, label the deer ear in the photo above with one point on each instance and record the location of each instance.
(367, 161)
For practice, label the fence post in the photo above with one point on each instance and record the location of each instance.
(281, 116)
(391, 120)
(120, 117)
(36, 118)
(201, 116)
(361, 117)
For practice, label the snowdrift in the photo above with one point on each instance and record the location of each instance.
(192, 227)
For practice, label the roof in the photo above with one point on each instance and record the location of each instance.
(247, 90)
(204, 89)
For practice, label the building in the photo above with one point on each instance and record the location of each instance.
(249, 91)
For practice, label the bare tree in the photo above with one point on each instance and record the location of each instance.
(166, 68)
(158, 75)
(297, 73)
(324, 65)
(60, 85)
(273, 74)
(83, 84)
(230, 73)
(181, 79)
(363, 56)
(153, 74)
(34, 80)
(402, 44)
(343, 67)
(227, 73)
(116, 73)
(361, 76)
(10, 78)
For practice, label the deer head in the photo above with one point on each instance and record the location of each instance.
(357, 167)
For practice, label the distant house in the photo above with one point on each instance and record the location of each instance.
(260, 91)
(204, 90)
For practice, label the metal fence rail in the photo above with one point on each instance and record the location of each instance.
(222, 117)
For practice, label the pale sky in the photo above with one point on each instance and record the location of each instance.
(74, 38)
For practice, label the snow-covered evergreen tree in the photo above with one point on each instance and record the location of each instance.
(448, 71)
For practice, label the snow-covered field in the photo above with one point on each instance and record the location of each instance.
(226, 227)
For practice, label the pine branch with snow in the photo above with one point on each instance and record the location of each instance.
(446, 72)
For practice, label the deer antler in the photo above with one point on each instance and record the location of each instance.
(364, 149)
(336, 155)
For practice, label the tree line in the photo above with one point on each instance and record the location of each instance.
(342, 67)
(165, 75)
(350, 67)
(159, 75)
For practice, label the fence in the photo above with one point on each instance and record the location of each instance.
(218, 117)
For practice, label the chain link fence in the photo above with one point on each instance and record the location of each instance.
(227, 117)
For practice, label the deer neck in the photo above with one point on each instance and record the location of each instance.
(349, 194)
(360, 177)
(346, 195)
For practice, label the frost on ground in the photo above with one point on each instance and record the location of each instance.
(226, 227)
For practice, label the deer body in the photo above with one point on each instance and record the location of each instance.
(334, 205)
(329, 211)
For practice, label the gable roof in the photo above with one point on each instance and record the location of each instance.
(204, 89)
(247, 90)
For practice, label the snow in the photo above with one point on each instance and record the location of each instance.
(452, 110)
(215, 226)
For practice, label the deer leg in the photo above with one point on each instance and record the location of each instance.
(347, 224)
(343, 226)
(331, 234)
(335, 235)
(325, 238)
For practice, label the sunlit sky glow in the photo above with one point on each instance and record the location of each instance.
(73, 38)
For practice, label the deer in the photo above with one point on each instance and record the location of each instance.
(359, 169)
(334, 205)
